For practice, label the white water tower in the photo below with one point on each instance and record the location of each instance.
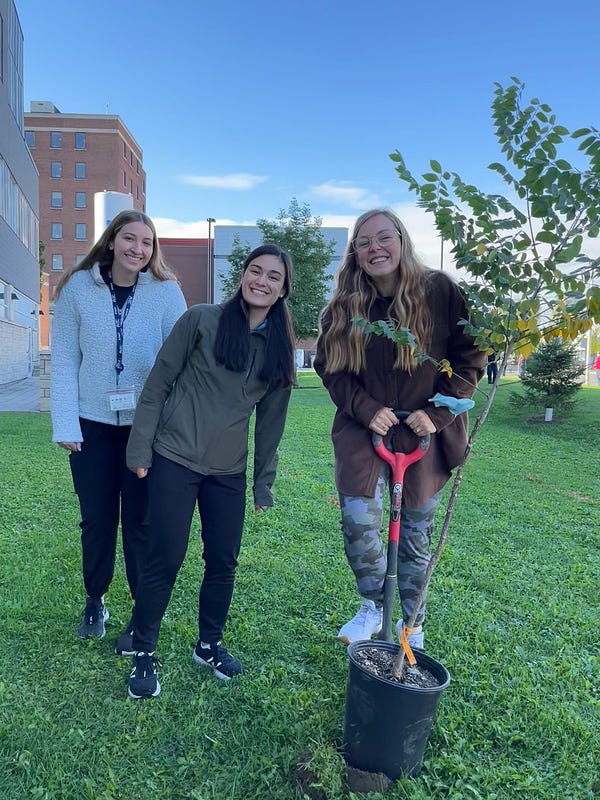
(106, 207)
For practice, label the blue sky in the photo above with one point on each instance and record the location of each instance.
(240, 106)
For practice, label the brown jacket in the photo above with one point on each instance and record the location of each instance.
(359, 397)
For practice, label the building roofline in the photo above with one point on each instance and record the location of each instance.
(182, 241)
(60, 115)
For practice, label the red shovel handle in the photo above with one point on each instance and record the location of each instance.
(403, 460)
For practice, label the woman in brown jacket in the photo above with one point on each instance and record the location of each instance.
(368, 377)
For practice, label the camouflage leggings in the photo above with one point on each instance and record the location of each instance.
(362, 525)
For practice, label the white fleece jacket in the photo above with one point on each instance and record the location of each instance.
(84, 347)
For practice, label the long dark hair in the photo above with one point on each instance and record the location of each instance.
(232, 343)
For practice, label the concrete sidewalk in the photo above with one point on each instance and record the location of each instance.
(21, 395)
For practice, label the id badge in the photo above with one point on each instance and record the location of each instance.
(121, 399)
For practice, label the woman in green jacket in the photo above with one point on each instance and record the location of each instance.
(190, 435)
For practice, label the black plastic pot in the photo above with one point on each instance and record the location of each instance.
(387, 724)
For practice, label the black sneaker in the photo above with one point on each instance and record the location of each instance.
(215, 656)
(142, 680)
(124, 646)
(93, 619)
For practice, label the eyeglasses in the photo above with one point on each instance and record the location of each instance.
(383, 239)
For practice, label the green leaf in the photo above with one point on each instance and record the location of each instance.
(548, 237)
(522, 243)
(435, 166)
(539, 207)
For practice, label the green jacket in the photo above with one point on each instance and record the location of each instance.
(197, 413)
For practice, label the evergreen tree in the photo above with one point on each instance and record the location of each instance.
(550, 377)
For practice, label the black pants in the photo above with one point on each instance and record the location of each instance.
(174, 491)
(107, 491)
(492, 372)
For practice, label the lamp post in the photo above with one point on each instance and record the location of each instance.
(209, 262)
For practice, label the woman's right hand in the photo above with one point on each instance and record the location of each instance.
(141, 472)
(383, 420)
(72, 447)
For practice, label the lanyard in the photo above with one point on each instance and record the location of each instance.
(120, 317)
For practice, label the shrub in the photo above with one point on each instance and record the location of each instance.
(550, 377)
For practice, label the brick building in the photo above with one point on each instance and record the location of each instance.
(189, 259)
(78, 155)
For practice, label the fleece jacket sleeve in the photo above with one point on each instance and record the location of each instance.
(271, 413)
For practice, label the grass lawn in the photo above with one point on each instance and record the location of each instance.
(513, 614)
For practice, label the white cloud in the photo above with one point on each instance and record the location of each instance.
(168, 228)
(236, 181)
(347, 194)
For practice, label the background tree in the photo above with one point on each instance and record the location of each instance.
(550, 377)
(298, 232)
(42, 261)
(230, 280)
(514, 251)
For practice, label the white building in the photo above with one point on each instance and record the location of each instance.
(19, 201)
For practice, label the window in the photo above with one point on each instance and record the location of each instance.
(2, 50)
(56, 169)
(137, 167)
(124, 178)
(137, 192)
(3, 300)
(16, 211)
(80, 200)
(80, 141)
(80, 172)
(81, 231)
(56, 199)
(56, 230)
(79, 259)
(124, 150)
(30, 139)
(131, 157)
(131, 186)
(12, 57)
(57, 261)
(55, 139)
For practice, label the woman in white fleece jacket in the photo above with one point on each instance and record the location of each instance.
(113, 312)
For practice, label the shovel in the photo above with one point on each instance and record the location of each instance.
(398, 462)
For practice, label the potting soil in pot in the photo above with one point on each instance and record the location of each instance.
(380, 663)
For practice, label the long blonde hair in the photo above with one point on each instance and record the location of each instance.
(355, 294)
(102, 253)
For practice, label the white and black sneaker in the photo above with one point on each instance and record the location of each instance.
(143, 681)
(215, 656)
(93, 619)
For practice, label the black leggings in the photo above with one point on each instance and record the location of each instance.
(107, 490)
(174, 491)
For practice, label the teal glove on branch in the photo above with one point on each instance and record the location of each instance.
(454, 404)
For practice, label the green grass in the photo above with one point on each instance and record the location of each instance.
(513, 614)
